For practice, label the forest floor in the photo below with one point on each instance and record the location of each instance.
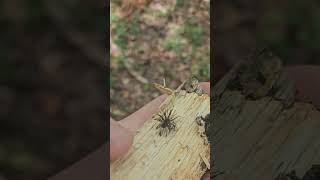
(154, 40)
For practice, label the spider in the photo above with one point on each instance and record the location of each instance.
(167, 123)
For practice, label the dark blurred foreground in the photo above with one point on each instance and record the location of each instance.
(52, 85)
(290, 28)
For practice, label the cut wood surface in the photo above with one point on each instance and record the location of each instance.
(259, 138)
(182, 154)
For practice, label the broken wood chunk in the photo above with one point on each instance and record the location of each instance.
(178, 153)
(259, 129)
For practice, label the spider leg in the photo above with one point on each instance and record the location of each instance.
(166, 132)
(174, 118)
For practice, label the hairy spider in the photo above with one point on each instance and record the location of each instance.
(167, 123)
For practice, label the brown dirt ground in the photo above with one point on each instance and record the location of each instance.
(161, 41)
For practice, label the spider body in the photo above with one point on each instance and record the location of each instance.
(167, 122)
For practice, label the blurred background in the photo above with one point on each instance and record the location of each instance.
(290, 28)
(52, 85)
(152, 40)
(52, 76)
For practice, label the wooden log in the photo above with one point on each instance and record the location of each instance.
(261, 135)
(183, 154)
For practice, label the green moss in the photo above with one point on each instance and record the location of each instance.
(179, 4)
(173, 44)
(194, 33)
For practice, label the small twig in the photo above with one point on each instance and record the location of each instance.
(135, 74)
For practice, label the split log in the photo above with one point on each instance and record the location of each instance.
(259, 130)
(183, 154)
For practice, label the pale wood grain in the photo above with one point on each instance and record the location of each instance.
(183, 154)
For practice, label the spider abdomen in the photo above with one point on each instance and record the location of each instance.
(167, 122)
